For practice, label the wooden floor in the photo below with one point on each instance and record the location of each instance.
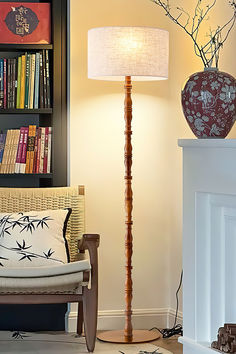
(170, 344)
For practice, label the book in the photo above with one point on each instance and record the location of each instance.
(24, 150)
(27, 79)
(18, 82)
(32, 79)
(38, 150)
(41, 93)
(44, 81)
(19, 150)
(35, 150)
(48, 80)
(11, 142)
(7, 151)
(9, 83)
(36, 86)
(1, 83)
(49, 149)
(14, 82)
(25, 22)
(45, 159)
(22, 79)
(31, 155)
(15, 140)
(28, 149)
(5, 82)
(42, 150)
(2, 145)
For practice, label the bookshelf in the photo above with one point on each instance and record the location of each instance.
(48, 317)
(56, 116)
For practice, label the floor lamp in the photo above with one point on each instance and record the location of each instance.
(117, 54)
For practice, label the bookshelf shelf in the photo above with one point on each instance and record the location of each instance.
(23, 47)
(25, 175)
(27, 111)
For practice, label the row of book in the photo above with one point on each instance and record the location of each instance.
(26, 150)
(25, 81)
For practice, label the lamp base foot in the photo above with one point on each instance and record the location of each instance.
(139, 336)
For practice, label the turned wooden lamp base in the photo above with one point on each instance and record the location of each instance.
(139, 336)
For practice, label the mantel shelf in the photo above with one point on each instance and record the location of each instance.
(207, 143)
(26, 111)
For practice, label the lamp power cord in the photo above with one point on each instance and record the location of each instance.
(177, 328)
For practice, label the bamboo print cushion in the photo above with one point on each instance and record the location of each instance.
(35, 238)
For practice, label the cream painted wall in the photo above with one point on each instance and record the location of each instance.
(96, 143)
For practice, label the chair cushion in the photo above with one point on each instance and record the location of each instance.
(38, 272)
(34, 239)
(66, 279)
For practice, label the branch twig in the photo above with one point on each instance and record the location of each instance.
(209, 51)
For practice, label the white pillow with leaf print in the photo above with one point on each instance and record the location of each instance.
(34, 239)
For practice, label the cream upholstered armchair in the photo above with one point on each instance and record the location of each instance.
(73, 282)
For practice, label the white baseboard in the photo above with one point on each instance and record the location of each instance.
(141, 319)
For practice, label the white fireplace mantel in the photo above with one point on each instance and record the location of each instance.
(209, 240)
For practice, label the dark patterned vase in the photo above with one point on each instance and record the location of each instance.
(209, 103)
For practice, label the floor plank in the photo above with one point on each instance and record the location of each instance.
(170, 344)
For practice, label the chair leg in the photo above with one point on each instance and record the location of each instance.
(90, 307)
(80, 318)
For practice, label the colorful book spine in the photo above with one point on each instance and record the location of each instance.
(24, 151)
(2, 146)
(32, 79)
(36, 87)
(49, 149)
(38, 150)
(42, 150)
(41, 92)
(9, 83)
(5, 82)
(31, 155)
(14, 83)
(22, 79)
(27, 165)
(5, 153)
(1, 84)
(45, 159)
(19, 150)
(18, 83)
(27, 80)
(35, 150)
(48, 80)
(10, 148)
(44, 80)
(15, 140)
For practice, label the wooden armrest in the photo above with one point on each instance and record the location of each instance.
(88, 241)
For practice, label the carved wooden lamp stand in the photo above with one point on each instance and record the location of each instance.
(117, 54)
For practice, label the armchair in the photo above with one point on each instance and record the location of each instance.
(76, 282)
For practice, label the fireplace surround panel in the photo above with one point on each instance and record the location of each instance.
(209, 240)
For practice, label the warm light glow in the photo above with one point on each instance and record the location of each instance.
(116, 52)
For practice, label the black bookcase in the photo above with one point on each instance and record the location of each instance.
(41, 317)
(56, 117)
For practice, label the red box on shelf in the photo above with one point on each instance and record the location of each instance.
(25, 23)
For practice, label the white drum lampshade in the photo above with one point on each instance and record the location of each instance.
(139, 52)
